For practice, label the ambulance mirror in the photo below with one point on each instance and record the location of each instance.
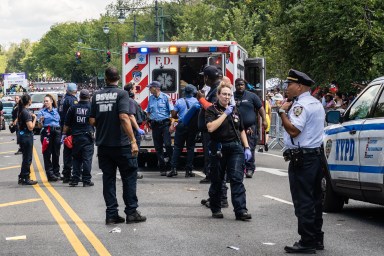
(333, 117)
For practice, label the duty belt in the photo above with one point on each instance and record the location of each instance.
(305, 150)
(160, 122)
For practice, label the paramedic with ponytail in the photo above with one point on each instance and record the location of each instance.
(228, 137)
(26, 122)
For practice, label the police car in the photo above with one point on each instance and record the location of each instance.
(353, 146)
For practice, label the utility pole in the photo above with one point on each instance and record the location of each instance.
(157, 25)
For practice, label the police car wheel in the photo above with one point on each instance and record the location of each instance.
(331, 201)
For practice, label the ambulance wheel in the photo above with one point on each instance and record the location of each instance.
(332, 202)
(151, 160)
(141, 159)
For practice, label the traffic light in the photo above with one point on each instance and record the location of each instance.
(108, 56)
(78, 57)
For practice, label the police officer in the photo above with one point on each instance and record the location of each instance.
(224, 124)
(250, 106)
(77, 120)
(184, 134)
(68, 101)
(159, 110)
(116, 147)
(303, 121)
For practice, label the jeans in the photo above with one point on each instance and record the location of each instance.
(252, 142)
(232, 164)
(305, 185)
(161, 135)
(82, 153)
(26, 143)
(184, 135)
(109, 159)
(52, 154)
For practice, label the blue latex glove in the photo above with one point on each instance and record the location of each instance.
(141, 131)
(63, 138)
(228, 110)
(247, 154)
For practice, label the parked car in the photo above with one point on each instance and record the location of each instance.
(354, 148)
(7, 110)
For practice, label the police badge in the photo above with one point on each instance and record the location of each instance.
(136, 75)
(297, 110)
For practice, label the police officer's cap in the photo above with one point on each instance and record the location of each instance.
(211, 72)
(154, 84)
(71, 87)
(190, 89)
(84, 94)
(295, 76)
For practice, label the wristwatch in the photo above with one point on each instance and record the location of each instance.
(281, 111)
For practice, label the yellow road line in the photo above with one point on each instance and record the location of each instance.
(21, 202)
(96, 243)
(9, 142)
(6, 152)
(71, 236)
(10, 167)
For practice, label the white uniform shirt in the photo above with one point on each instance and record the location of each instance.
(306, 114)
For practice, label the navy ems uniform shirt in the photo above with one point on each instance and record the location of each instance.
(78, 118)
(247, 104)
(24, 117)
(106, 106)
(226, 132)
(68, 101)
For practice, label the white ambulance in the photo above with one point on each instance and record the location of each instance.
(175, 64)
(354, 150)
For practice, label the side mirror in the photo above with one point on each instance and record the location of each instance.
(333, 117)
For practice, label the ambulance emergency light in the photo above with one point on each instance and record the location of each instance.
(176, 49)
(143, 50)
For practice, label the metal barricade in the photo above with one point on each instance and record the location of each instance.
(276, 131)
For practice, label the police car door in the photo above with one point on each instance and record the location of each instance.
(372, 143)
(164, 68)
(344, 163)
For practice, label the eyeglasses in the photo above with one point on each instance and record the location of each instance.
(226, 94)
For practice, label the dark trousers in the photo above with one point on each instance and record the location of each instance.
(183, 135)
(252, 142)
(82, 153)
(67, 161)
(17, 136)
(51, 155)
(26, 143)
(109, 159)
(305, 184)
(161, 135)
(232, 164)
(206, 142)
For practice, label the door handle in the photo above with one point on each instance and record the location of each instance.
(352, 132)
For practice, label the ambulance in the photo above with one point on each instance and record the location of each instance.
(353, 147)
(175, 64)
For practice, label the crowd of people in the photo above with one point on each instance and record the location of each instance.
(227, 117)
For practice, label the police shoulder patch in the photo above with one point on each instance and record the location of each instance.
(297, 110)
(75, 102)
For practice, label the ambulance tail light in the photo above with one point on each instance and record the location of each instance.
(193, 49)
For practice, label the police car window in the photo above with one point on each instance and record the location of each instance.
(361, 107)
(379, 109)
(167, 79)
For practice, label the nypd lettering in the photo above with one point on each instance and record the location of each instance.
(345, 149)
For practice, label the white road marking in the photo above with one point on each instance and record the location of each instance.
(269, 154)
(269, 243)
(274, 171)
(278, 199)
(198, 173)
(16, 238)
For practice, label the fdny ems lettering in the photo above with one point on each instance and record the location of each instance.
(106, 96)
(345, 149)
(81, 116)
(105, 107)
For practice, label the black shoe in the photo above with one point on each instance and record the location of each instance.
(73, 183)
(204, 201)
(249, 174)
(205, 181)
(19, 181)
(320, 243)
(116, 220)
(140, 176)
(58, 175)
(28, 182)
(217, 215)
(244, 216)
(52, 178)
(88, 184)
(299, 248)
(135, 218)
(224, 203)
(18, 152)
(266, 147)
(189, 174)
(66, 179)
(172, 173)
(163, 173)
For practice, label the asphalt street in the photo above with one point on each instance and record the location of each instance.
(55, 219)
